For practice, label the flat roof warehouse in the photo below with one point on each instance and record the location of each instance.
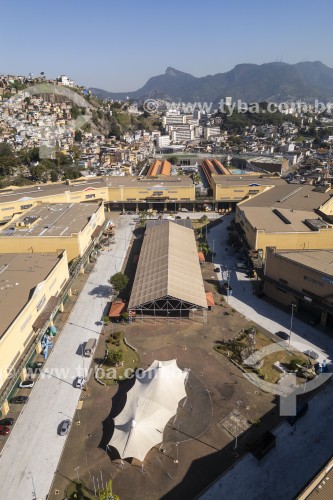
(19, 276)
(61, 219)
(284, 209)
(27, 193)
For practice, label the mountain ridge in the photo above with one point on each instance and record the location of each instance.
(250, 82)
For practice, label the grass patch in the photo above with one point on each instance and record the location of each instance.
(131, 359)
(267, 372)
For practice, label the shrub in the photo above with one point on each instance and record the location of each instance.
(295, 363)
(114, 357)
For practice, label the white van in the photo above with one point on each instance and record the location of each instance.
(89, 347)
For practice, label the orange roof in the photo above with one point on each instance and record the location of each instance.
(154, 167)
(116, 309)
(166, 168)
(201, 257)
(210, 299)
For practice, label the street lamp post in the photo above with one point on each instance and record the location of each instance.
(33, 485)
(176, 460)
(228, 291)
(77, 471)
(82, 353)
(213, 250)
(291, 321)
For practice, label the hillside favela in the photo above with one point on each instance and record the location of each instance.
(166, 257)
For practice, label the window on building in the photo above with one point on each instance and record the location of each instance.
(313, 281)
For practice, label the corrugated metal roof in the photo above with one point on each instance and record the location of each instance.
(321, 488)
(168, 267)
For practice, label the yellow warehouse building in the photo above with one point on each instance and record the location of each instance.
(29, 287)
(53, 227)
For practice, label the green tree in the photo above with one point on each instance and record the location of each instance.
(54, 176)
(8, 159)
(37, 172)
(173, 160)
(71, 173)
(114, 357)
(107, 494)
(119, 281)
(78, 136)
(143, 218)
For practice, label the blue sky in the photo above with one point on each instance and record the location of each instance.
(119, 45)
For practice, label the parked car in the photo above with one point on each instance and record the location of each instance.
(311, 354)
(80, 382)
(26, 384)
(64, 427)
(282, 335)
(4, 431)
(321, 367)
(7, 422)
(37, 366)
(19, 400)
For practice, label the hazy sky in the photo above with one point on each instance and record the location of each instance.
(118, 45)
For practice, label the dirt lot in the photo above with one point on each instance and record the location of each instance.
(223, 404)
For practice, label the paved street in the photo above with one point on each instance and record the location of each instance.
(310, 445)
(267, 315)
(30, 457)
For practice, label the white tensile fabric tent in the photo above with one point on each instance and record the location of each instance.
(151, 402)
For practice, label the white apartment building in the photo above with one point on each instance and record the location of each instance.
(66, 81)
(181, 134)
(211, 131)
(163, 141)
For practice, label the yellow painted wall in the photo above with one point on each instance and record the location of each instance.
(108, 194)
(297, 276)
(250, 232)
(314, 240)
(20, 331)
(327, 208)
(278, 295)
(75, 245)
(260, 240)
(235, 193)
